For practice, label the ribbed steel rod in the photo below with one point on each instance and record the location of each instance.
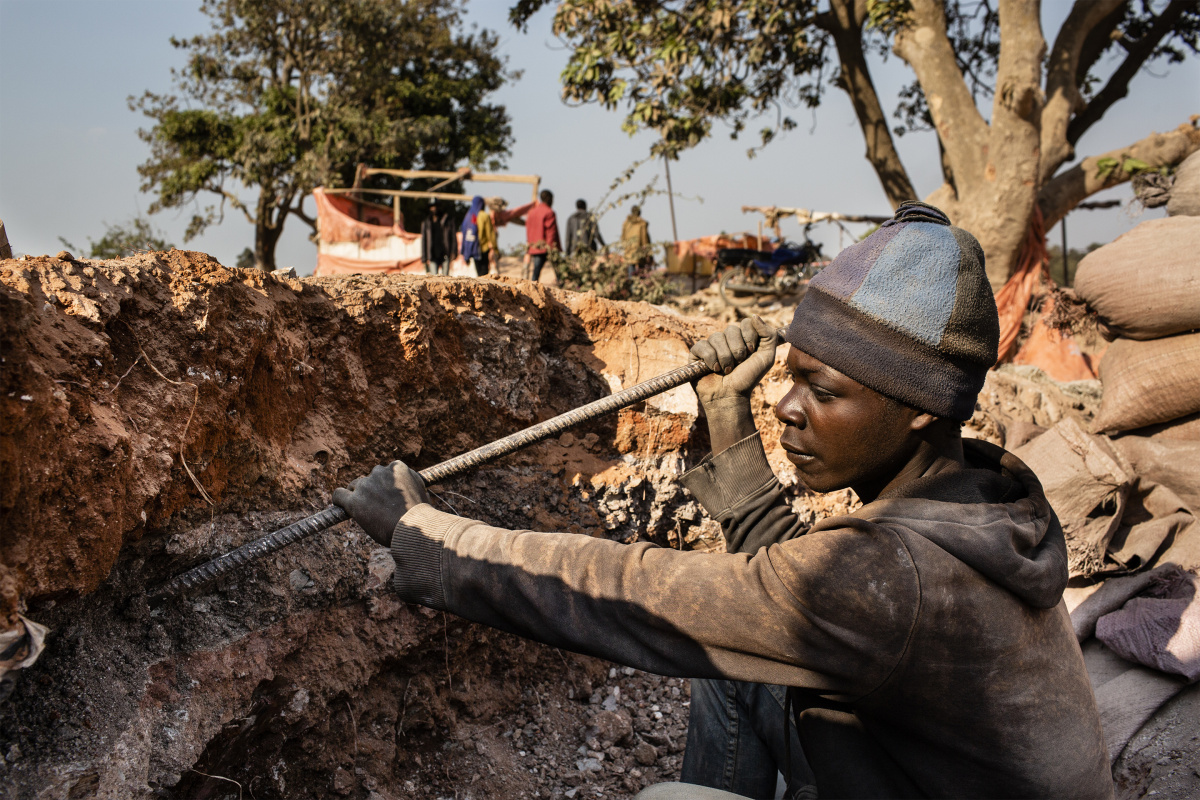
(332, 515)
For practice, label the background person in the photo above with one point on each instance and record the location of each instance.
(439, 241)
(472, 249)
(583, 232)
(635, 238)
(541, 232)
(489, 242)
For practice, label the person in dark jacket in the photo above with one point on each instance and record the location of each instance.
(582, 231)
(921, 641)
(439, 241)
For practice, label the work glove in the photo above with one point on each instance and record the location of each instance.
(378, 501)
(739, 357)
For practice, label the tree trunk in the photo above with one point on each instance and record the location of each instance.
(995, 166)
(267, 230)
(997, 209)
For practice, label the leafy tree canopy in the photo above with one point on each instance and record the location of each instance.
(286, 95)
(1008, 110)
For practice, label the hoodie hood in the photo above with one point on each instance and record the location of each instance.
(993, 516)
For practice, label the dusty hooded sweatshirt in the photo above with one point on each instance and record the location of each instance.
(934, 617)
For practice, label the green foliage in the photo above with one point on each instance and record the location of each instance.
(245, 259)
(679, 66)
(1109, 167)
(286, 95)
(608, 274)
(119, 241)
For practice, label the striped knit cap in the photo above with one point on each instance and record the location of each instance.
(908, 312)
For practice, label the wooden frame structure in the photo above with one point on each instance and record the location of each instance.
(464, 174)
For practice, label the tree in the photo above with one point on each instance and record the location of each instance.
(678, 66)
(287, 95)
(119, 241)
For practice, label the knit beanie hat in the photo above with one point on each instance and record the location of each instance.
(908, 312)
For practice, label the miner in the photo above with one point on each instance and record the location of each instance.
(918, 647)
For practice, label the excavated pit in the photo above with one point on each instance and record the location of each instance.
(163, 409)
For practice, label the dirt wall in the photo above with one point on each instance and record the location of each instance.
(162, 409)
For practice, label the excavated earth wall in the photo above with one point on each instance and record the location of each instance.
(162, 409)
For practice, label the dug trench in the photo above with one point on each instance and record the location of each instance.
(163, 409)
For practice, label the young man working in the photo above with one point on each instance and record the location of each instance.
(923, 636)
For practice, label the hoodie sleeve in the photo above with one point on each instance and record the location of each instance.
(739, 490)
(831, 611)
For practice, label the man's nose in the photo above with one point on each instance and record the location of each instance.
(790, 411)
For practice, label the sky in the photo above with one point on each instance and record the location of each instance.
(69, 149)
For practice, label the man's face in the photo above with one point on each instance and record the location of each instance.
(840, 433)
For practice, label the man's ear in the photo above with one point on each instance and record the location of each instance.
(922, 421)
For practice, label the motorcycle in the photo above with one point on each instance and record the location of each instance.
(751, 276)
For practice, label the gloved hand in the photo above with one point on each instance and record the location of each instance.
(378, 501)
(739, 357)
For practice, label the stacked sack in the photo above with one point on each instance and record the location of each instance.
(1145, 286)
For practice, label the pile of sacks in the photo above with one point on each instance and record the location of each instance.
(1145, 289)
(1127, 490)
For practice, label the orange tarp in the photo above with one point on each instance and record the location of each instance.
(1056, 354)
(328, 264)
(340, 219)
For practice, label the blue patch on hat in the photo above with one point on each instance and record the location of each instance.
(911, 286)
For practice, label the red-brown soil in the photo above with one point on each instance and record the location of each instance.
(162, 409)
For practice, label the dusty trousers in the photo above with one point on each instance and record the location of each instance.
(735, 740)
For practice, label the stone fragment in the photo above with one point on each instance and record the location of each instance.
(645, 754)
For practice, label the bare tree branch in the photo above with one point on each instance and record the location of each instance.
(1118, 84)
(923, 44)
(844, 24)
(1062, 90)
(1067, 190)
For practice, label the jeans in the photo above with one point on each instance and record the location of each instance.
(538, 261)
(735, 740)
(481, 265)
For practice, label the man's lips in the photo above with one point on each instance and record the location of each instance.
(794, 453)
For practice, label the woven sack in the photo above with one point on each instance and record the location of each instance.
(1185, 191)
(1145, 284)
(1146, 383)
(1186, 429)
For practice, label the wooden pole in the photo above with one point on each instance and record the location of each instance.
(670, 196)
(1063, 223)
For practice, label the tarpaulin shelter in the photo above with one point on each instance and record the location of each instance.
(356, 236)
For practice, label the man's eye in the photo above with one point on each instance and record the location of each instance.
(822, 394)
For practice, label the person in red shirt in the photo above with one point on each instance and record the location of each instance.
(541, 231)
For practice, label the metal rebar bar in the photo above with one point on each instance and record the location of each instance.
(332, 515)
